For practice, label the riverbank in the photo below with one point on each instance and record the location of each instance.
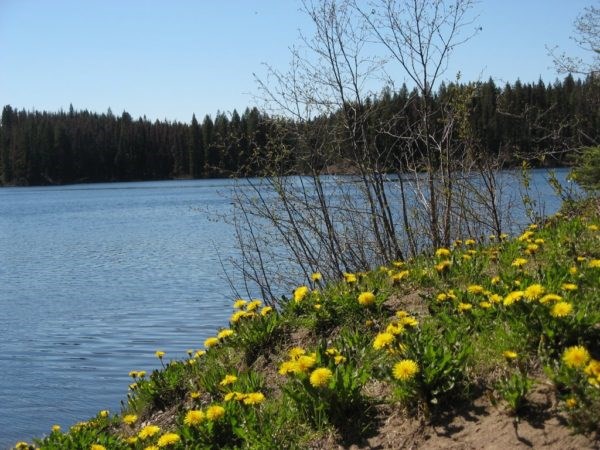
(485, 344)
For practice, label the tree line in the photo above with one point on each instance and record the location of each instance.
(516, 121)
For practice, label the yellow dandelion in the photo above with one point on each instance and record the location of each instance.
(466, 256)
(211, 342)
(538, 241)
(131, 440)
(470, 242)
(236, 316)
(316, 276)
(225, 333)
(594, 264)
(443, 266)
(576, 356)
(550, 298)
(21, 445)
(485, 305)
(133, 374)
(398, 264)
(56, 428)
(395, 329)
(229, 379)
(513, 297)
(104, 413)
(366, 298)
(561, 309)
(199, 353)
(287, 367)
(215, 412)
(495, 298)
(350, 278)
(151, 447)
(266, 310)
(195, 395)
(148, 431)
(397, 277)
(300, 293)
(254, 398)
(441, 297)
(593, 369)
(239, 303)
(573, 270)
(475, 289)
(495, 280)
(254, 305)
(168, 439)
(531, 249)
(509, 354)
(525, 236)
(405, 370)
(159, 354)
(194, 417)
(462, 307)
(296, 352)
(442, 253)
(409, 321)
(593, 227)
(519, 262)
(339, 359)
(305, 362)
(568, 287)
(383, 340)
(320, 377)
(95, 447)
(130, 419)
(533, 292)
(571, 403)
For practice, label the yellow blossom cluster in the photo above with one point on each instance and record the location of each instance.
(298, 362)
(248, 309)
(249, 398)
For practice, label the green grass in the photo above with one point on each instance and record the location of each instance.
(484, 326)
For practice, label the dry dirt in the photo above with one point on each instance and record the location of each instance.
(482, 426)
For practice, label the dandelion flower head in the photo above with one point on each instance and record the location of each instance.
(254, 398)
(366, 298)
(383, 340)
(194, 417)
(320, 377)
(300, 293)
(211, 342)
(533, 292)
(561, 309)
(215, 412)
(576, 356)
(168, 439)
(130, 419)
(148, 431)
(405, 370)
(229, 379)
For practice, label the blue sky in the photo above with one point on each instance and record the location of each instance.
(169, 59)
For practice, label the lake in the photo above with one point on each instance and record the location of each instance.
(95, 278)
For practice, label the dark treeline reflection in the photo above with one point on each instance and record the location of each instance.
(38, 148)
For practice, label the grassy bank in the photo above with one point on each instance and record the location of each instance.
(489, 325)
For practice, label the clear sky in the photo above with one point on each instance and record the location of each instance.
(168, 59)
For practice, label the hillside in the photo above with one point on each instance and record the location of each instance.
(491, 344)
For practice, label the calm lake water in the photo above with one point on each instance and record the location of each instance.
(95, 278)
